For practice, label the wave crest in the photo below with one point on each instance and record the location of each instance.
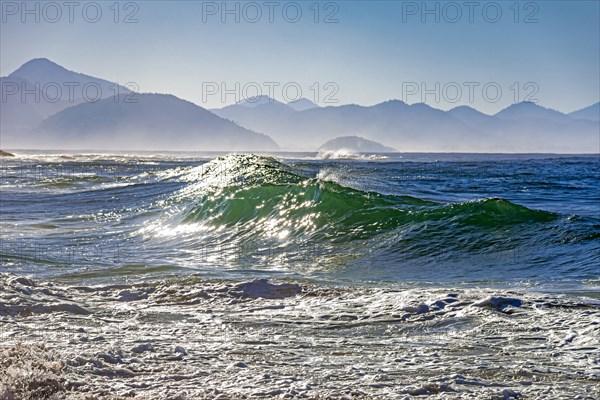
(346, 154)
(255, 201)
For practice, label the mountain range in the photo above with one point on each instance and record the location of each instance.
(118, 119)
(108, 116)
(521, 127)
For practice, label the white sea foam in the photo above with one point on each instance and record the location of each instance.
(198, 339)
(346, 154)
(329, 175)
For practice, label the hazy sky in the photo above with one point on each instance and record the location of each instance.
(352, 51)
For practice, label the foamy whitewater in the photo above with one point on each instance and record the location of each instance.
(179, 276)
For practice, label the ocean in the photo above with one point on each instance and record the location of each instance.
(299, 275)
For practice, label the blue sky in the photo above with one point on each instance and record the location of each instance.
(374, 52)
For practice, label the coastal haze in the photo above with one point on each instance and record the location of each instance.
(299, 200)
(42, 110)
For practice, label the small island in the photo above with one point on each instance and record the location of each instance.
(356, 144)
(6, 154)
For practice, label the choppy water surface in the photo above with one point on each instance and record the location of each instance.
(446, 275)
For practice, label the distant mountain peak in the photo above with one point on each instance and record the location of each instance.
(422, 106)
(37, 65)
(528, 109)
(356, 144)
(255, 101)
(463, 109)
(41, 60)
(161, 121)
(591, 113)
(42, 71)
(302, 104)
(470, 116)
(41, 76)
(528, 105)
(391, 102)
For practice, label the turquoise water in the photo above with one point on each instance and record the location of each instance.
(405, 218)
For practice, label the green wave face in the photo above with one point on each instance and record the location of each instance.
(259, 202)
(241, 189)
